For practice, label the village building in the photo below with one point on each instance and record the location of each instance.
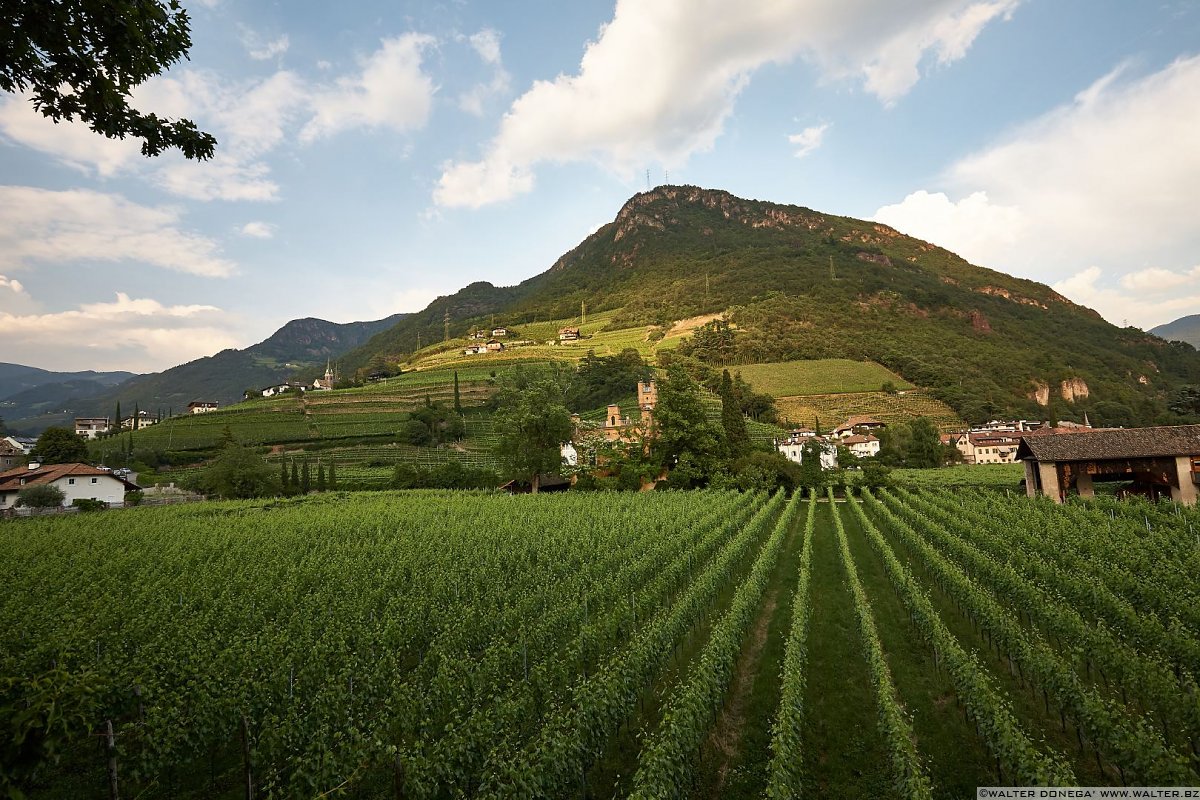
(282, 388)
(475, 350)
(494, 346)
(143, 418)
(793, 446)
(993, 448)
(23, 443)
(77, 482)
(622, 429)
(201, 406)
(498, 332)
(91, 427)
(1007, 426)
(1161, 461)
(10, 455)
(570, 455)
(858, 424)
(325, 383)
(861, 445)
(568, 334)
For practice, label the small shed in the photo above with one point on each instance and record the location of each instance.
(1164, 459)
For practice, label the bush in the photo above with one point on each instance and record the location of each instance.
(134, 498)
(88, 504)
(42, 496)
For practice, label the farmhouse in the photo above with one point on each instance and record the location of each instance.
(91, 427)
(494, 346)
(793, 448)
(10, 455)
(568, 334)
(281, 388)
(498, 332)
(475, 350)
(1160, 461)
(142, 420)
(862, 446)
(77, 481)
(201, 407)
(858, 424)
(993, 448)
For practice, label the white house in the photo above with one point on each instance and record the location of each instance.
(570, 456)
(77, 481)
(793, 449)
(494, 346)
(475, 350)
(281, 388)
(498, 332)
(568, 334)
(91, 427)
(857, 424)
(144, 419)
(201, 407)
(862, 446)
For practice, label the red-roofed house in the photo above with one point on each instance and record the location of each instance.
(77, 481)
(862, 446)
(857, 424)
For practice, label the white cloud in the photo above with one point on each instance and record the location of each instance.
(71, 142)
(1106, 182)
(127, 333)
(262, 50)
(660, 80)
(258, 230)
(14, 299)
(486, 43)
(390, 92)
(43, 226)
(220, 178)
(808, 139)
(1141, 301)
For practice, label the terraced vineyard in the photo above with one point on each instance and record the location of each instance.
(437, 644)
(833, 409)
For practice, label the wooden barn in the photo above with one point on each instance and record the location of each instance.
(1162, 461)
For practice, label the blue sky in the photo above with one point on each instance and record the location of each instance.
(374, 155)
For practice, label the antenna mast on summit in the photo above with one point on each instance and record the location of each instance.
(666, 177)
(647, 180)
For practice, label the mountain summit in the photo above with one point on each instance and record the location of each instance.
(798, 283)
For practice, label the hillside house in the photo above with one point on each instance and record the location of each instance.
(91, 427)
(994, 448)
(144, 419)
(478, 335)
(793, 448)
(494, 346)
(283, 388)
(10, 455)
(77, 482)
(498, 332)
(202, 406)
(475, 350)
(1160, 461)
(23, 443)
(858, 424)
(861, 445)
(568, 334)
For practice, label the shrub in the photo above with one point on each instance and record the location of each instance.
(88, 504)
(42, 496)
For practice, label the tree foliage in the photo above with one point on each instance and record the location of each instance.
(685, 441)
(239, 472)
(60, 446)
(737, 440)
(533, 423)
(600, 380)
(80, 59)
(43, 495)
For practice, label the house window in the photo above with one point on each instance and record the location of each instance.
(71, 481)
(94, 480)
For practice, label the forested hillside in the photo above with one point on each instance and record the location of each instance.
(798, 284)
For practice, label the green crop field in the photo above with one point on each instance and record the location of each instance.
(908, 644)
(995, 476)
(820, 376)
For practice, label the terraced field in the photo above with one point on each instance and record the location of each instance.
(833, 409)
(819, 377)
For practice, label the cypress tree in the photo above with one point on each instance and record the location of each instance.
(283, 474)
(117, 422)
(137, 416)
(732, 420)
(457, 400)
(332, 478)
(305, 478)
(320, 477)
(295, 481)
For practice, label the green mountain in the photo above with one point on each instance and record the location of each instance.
(299, 345)
(18, 378)
(1184, 329)
(799, 284)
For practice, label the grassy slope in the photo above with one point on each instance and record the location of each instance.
(819, 376)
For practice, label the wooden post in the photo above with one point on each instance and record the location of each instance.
(110, 747)
(246, 759)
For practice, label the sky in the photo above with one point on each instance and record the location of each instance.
(374, 155)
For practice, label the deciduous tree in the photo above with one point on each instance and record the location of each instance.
(533, 424)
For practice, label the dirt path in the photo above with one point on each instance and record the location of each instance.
(726, 736)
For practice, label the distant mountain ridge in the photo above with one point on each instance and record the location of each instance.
(223, 377)
(1184, 329)
(17, 378)
(800, 284)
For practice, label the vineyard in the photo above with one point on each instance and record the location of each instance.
(715, 644)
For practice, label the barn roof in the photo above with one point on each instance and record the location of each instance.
(1172, 440)
(21, 477)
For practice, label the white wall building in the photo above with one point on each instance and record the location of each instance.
(91, 427)
(862, 446)
(793, 449)
(77, 482)
(570, 456)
